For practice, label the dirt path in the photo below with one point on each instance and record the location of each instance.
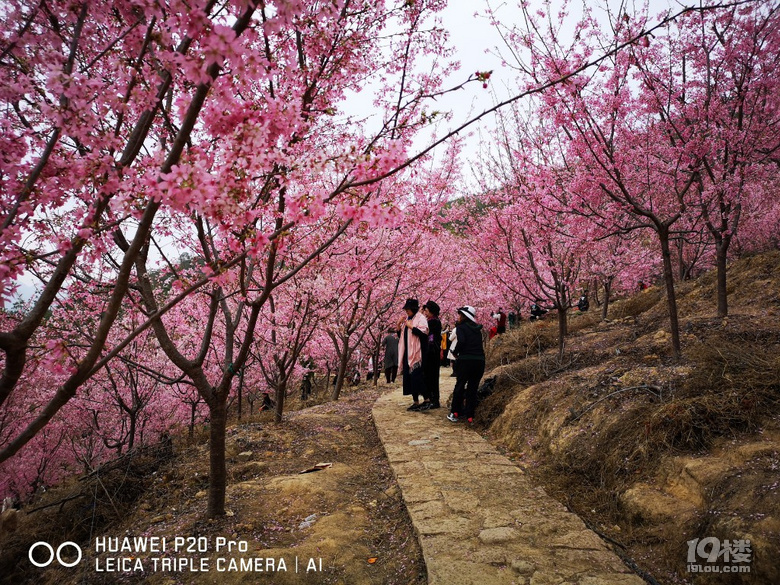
(477, 516)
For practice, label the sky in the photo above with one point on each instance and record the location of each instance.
(471, 37)
(476, 43)
(478, 47)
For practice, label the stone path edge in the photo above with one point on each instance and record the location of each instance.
(478, 518)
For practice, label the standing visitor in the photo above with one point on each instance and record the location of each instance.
(445, 345)
(451, 343)
(308, 378)
(354, 376)
(500, 318)
(433, 356)
(390, 343)
(537, 312)
(412, 345)
(469, 365)
(268, 403)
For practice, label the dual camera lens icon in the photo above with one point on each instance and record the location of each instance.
(53, 554)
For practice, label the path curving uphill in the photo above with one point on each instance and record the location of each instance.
(478, 518)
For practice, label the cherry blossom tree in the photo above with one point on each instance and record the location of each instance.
(667, 150)
(272, 74)
(617, 264)
(363, 279)
(89, 133)
(711, 80)
(538, 260)
(283, 334)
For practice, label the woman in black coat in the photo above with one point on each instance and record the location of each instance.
(469, 365)
(432, 361)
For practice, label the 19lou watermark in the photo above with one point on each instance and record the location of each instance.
(710, 555)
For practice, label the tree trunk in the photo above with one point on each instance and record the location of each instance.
(194, 406)
(217, 468)
(131, 433)
(341, 373)
(376, 368)
(561, 331)
(680, 261)
(240, 391)
(671, 299)
(721, 251)
(281, 391)
(605, 306)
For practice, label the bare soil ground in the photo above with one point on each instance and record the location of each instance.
(652, 451)
(649, 450)
(350, 514)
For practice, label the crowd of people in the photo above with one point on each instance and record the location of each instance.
(417, 346)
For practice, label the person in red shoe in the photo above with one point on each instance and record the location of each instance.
(469, 365)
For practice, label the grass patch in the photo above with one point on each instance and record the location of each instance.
(727, 388)
(579, 321)
(81, 507)
(637, 304)
(529, 339)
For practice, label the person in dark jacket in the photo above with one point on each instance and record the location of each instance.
(537, 312)
(390, 343)
(469, 365)
(432, 361)
(583, 304)
(267, 403)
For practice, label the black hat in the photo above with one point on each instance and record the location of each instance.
(432, 307)
(412, 304)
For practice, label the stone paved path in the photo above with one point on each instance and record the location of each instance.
(477, 516)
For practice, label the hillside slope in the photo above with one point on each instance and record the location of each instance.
(349, 517)
(651, 451)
